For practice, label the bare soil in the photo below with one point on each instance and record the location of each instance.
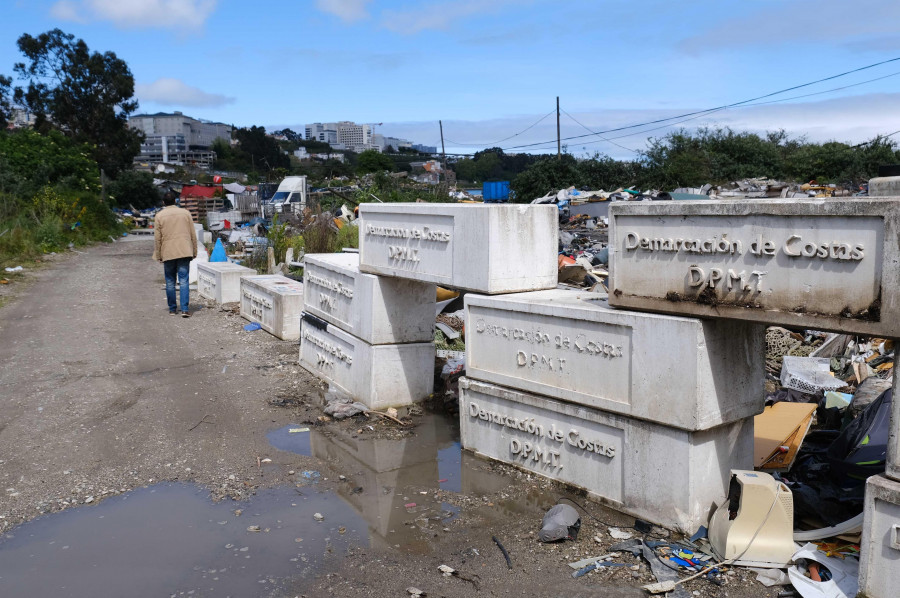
(101, 392)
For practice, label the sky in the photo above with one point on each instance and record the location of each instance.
(491, 70)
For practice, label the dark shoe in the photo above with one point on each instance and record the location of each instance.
(173, 313)
(185, 314)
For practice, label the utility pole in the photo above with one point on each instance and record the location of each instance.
(443, 151)
(558, 140)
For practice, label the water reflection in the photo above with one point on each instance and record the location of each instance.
(170, 538)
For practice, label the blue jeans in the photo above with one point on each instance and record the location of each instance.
(180, 267)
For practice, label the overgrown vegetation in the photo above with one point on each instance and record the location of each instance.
(715, 156)
(49, 196)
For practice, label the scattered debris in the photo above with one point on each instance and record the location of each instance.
(619, 534)
(560, 523)
(503, 550)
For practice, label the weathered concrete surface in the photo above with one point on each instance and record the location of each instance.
(884, 186)
(570, 345)
(221, 281)
(665, 475)
(826, 264)
(275, 302)
(376, 375)
(484, 248)
(879, 567)
(377, 309)
(893, 451)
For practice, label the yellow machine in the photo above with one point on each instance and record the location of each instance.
(755, 525)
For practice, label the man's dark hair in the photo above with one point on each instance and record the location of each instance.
(169, 199)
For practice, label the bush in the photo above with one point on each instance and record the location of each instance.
(348, 236)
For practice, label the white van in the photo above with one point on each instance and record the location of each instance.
(290, 196)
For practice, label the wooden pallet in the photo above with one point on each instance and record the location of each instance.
(199, 206)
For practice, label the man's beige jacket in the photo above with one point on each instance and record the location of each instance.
(175, 234)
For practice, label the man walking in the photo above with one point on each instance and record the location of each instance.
(176, 246)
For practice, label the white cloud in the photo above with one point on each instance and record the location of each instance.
(438, 15)
(346, 10)
(173, 92)
(137, 14)
(66, 10)
(824, 22)
(851, 119)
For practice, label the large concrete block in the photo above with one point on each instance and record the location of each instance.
(377, 309)
(826, 264)
(275, 302)
(485, 248)
(221, 281)
(570, 345)
(665, 475)
(879, 567)
(377, 375)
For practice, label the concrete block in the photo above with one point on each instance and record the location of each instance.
(202, 256)
(484, 248)
(379, 376)
(377, 309)
(879, 566)
(662, 474)
(275, 301)
(221, 281)
(893, 449)
(826, 264)
(570, 345)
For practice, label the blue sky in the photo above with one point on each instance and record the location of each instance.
(491, 68)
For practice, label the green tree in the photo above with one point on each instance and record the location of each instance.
(373, 161)
(257, 151)
(86, 95)
(134, 189)
(545, 175)
(30, 161)
(5, 101)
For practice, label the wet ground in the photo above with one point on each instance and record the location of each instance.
(170, 539)
(129, 440)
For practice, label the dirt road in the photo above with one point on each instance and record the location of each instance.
(103, 396)
(101, 387)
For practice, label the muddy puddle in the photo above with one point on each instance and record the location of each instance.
(399, 486)
(171, 540)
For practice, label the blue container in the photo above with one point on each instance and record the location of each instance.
(495, 192)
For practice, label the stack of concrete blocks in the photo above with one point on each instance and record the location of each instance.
(370, 336)
(820, 264)
(273, 301)
(880, 547)
(221, 281)
(648, 413)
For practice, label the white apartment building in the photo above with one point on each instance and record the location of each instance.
(343, 135)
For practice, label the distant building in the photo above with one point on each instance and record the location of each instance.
(301, 154)
(178, 139)
(324, 132)
(384, 142)
(21, 119)
(343, 135)
(425, 149)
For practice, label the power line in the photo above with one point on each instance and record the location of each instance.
(807, 95)
(493, 143)
(709, 110)
(598, 135)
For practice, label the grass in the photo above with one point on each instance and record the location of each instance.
(51, 221)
